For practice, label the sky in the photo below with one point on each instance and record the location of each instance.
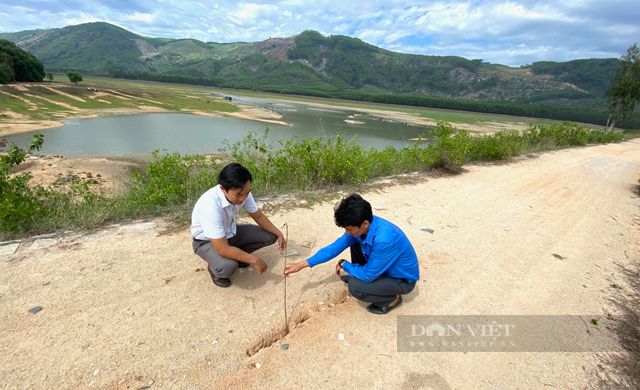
(511, 33)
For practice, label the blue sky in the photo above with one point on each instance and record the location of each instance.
(499, 31)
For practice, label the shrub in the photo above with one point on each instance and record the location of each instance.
(171, 180)
(19, 203)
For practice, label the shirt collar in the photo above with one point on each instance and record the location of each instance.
(223, 199)
(371, 232)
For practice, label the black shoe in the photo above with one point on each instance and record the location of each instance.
(375, 309)
(220, 282)
(345, 278)
(243, 264)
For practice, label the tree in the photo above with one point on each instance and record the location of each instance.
(49, 76)
(625, 91)
(7, 72)
(18, 64)
(19, 202)
(74, 76)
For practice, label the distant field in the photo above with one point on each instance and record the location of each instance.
(458, 117)
(61, 99)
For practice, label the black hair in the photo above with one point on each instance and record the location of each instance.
(352, 211)
(233, 176)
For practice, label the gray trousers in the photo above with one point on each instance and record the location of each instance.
(248, 238)
(381, 291)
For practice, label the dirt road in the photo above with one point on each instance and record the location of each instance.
(125, 307)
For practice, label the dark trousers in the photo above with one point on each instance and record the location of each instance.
(381, 291)
(248, 238)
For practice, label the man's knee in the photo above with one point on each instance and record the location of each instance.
(271, 238)
(226, 269)
(353, 288)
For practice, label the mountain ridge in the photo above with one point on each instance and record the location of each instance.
(311, 62)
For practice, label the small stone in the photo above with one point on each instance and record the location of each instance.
(9, 249)
(285, 346)
(290, 252)
(86, 346)
(89, 175)
(35, 310)
(230, 331)
(258, 365)
(340, 336)
(96, 372)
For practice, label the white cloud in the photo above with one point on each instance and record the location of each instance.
(147, 18)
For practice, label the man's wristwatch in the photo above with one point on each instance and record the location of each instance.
(341, 261)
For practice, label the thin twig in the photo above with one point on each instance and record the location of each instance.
(286, 318)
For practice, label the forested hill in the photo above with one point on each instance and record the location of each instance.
(311, 63)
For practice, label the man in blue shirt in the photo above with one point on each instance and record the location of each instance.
(383, 266)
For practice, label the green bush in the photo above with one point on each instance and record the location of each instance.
(450, 147)
(19, 203)
(172, 182)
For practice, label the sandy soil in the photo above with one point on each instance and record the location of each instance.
(105, 174)
(130, 305)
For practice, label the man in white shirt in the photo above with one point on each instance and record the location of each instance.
(224, 245)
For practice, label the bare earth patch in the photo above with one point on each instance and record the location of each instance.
(105, 174)
(259, 114)
(65, 94)
(127, 307)
(61, 104)
(132, 97)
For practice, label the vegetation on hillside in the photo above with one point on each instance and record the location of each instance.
(17, 64)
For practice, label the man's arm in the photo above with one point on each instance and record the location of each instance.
(222, 247)
(382, 256)
(322, 256)
(266, 224)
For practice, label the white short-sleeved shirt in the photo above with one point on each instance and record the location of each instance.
(215, 217)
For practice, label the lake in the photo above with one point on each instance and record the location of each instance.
(140, 134)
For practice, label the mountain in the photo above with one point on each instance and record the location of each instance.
(311, 62)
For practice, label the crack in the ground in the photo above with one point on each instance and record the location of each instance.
(272, 336)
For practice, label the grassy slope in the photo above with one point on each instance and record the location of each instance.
(111, 96)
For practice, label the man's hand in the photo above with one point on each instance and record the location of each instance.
(292, 268)
(260, 265)
(338, 269)
(282, 243)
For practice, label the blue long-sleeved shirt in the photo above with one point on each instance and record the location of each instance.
(386, 248)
